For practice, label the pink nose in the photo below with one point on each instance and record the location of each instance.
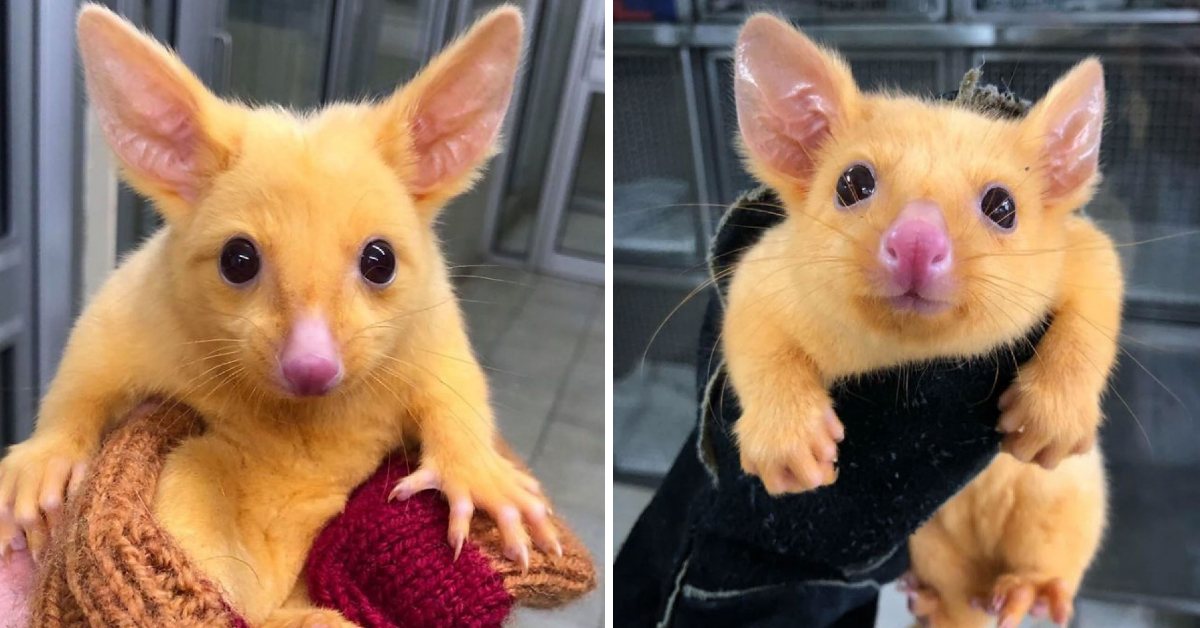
(310, 362)
(916, 250)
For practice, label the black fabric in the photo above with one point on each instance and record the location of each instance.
(714, 549)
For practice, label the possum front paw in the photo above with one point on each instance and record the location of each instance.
(511, 497)
(36, 477)
(1016, 595)
(1047, 419)
(793, 450)
(923, 602)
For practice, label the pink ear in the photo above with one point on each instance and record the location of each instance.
(789, 94)
(1070, 119)
(147, 103)
(452, 111)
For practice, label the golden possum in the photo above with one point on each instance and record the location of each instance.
(916, 230)
(298, 299)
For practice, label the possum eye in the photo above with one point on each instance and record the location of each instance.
(378, 262)
(855, 185)
(999, 206)
(239, 261)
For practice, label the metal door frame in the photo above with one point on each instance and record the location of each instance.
(502, 163)
(583, 82)
(17, 247)
(201, 37)
(59, 143)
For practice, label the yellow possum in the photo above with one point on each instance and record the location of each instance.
(916, 230)
(298, 299)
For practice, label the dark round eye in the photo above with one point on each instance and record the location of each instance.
(1000, 207)
(855, 185)
(378, 262)
(239, 261)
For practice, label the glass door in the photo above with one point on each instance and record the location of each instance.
(380, 44)
(258, 50)
(571, 233)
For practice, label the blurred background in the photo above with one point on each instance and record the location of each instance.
(675, 169)
(527, 243)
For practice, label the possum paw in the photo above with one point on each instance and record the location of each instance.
(511, 497)
(36, 477)
(791, 453)
(923, 601)
(1016, 595)
(1045, 421)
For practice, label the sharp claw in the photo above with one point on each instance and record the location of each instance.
(518, 554)
(558, 549)
(458, 545)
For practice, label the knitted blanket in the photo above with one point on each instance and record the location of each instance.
(381, 564)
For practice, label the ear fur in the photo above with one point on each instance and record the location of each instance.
(790, 95)
(437, 131)
(170, 134)
(1068, 122)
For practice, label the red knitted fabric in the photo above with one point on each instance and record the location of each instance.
(387, 564)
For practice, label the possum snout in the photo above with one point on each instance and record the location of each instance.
(310, 362)
(917, 255)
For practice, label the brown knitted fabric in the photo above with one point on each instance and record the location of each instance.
(111, 565)
(549, 582)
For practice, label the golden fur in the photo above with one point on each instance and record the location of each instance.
(247, 497)
(804, 308)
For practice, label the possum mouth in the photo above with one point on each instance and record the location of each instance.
(913, 301)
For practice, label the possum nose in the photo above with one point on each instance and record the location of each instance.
(310, 362)
(916, 249)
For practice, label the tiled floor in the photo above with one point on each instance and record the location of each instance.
(541, 341)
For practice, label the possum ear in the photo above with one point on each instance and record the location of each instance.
(789, 94)
(154, 112)
(1068, 123)
(439, 129)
